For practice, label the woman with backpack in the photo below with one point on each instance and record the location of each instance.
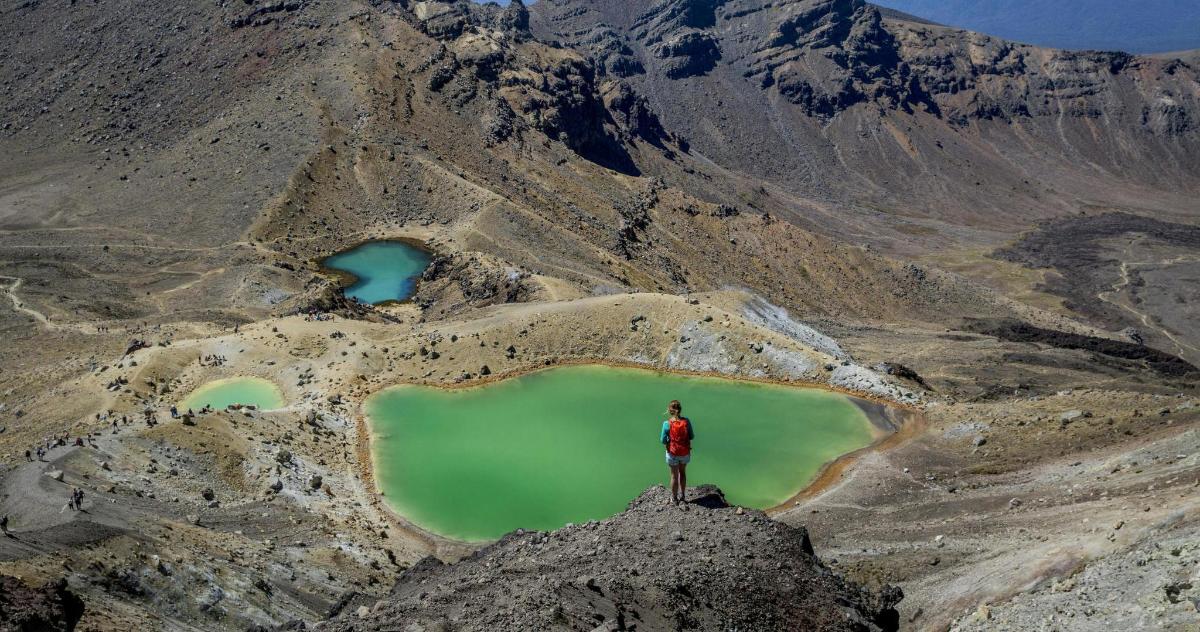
(677, 436)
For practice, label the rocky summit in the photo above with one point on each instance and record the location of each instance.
(657, 566)
(987, 249)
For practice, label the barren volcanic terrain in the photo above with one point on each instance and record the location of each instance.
(994, 244)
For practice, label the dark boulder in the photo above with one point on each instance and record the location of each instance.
(50, 608)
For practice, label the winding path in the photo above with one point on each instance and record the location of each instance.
(42, 320)
(46, 322)
(11, 291)
(1112, 296)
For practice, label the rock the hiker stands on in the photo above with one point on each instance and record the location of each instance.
(704, 566)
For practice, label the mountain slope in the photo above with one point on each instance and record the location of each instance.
(939, 129)
(927, 142)
(335, 124)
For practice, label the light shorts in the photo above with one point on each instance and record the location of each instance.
(678, 460)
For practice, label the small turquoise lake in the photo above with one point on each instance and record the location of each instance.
(382, 271)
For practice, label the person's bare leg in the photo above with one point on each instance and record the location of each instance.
(674, 482)
(683, 483)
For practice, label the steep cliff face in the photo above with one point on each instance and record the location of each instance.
(829, 55)
(555, 91)
(1136, 27)
(823, 55)
(830, 100)
(973, 76)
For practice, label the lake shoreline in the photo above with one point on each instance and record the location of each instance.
(909, 425)
(346, 279)
(486, 380)
(891, 423)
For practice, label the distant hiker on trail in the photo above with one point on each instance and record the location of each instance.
(28, 456)
(174, 413)
(677, 436)
(4, 524)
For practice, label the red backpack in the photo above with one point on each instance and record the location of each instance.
(677, 436)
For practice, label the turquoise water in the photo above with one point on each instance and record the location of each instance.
(237, 390)
(384, 270)
(578, 443)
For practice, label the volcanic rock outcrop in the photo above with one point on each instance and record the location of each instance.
(703, 566)
(50, 608)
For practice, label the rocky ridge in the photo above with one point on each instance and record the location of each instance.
(789, 91)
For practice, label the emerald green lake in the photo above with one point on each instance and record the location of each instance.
(236, 390)
(383, 270)
(573, 444)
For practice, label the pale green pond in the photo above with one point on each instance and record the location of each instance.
(578, 443)
(236, 390)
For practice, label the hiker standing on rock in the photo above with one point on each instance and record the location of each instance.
(677, 436)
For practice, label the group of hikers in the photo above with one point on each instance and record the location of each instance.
(75, 502)
(124, 420)
(40, 450)
(212, 360)
(317, 316)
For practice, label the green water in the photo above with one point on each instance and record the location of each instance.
(384, 270)
(237, 390)
(578, 443)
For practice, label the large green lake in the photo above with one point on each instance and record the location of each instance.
(383, 270)
(236, 390)
(578, 443)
